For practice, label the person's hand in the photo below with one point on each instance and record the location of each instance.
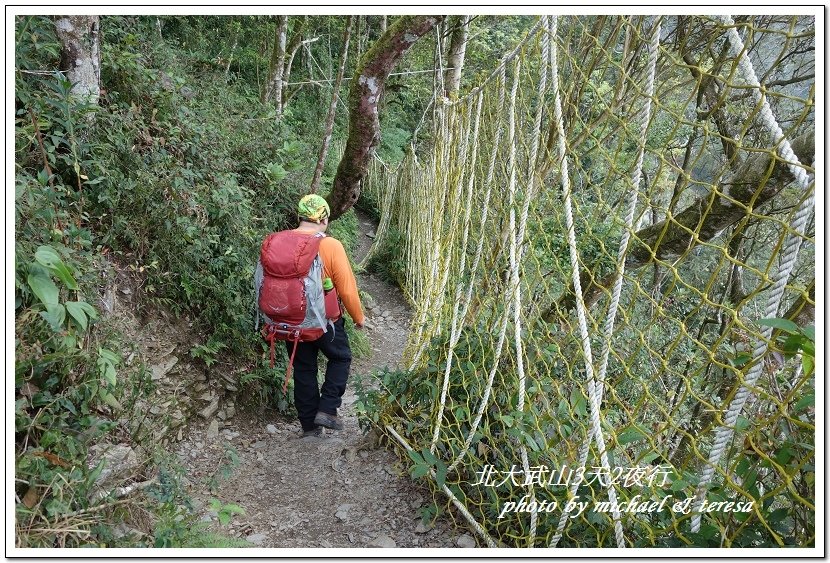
(359, 326)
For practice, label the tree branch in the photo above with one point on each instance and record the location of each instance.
(758, 180)
(365, 94)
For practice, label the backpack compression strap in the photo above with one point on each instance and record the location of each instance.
(269, 332)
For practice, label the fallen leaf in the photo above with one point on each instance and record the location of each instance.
(53, 459)
(30, 498)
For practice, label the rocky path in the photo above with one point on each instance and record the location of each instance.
(335, 491)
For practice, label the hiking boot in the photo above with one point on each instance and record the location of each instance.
(328, 420)
(315, 433)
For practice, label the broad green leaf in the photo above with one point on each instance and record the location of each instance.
(49, 258)
(415, 456)
(631, 434)
(531, 442)
(742, 423)
(807, 363)
(108, 355)
(429, 456)
(54, 315)
(44, 288)
(77, 312)
(419, 470)
(109, 399)
(106, 365)
(276, 172)
(805, 401)
(782, 324)
(792, 344)
(108, 372)
(810, 332)
(441, 474)
(88, 309)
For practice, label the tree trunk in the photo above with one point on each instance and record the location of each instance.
(366, 91)
(455, 57)
(803, 311)
(273, 88)
(293, 45)
(81, 54)
(230, 56)
(383, 24)
(758, 180)
(324, 148)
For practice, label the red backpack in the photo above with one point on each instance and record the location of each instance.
(291, 295)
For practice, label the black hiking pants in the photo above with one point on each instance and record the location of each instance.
(309, 397)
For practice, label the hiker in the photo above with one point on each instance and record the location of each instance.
(303, 279)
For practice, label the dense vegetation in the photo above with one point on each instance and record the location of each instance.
(184, 163)
(174, 177)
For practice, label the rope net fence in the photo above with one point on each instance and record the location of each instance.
(594, 247)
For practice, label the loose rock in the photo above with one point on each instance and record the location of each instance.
(422, 528)
(213, 430)
(257, 539)
(465, 541)
(211, 409)
(383, 540)
(159, 371)
(343, 511)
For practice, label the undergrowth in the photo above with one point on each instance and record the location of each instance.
(177, 174)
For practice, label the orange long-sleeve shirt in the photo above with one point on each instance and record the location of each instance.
(337, 267)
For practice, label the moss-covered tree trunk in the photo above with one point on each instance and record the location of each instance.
(455, 57)
(81, 54)
(364, 96)
(759, 179)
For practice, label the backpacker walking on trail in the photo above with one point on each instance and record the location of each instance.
(301, 278)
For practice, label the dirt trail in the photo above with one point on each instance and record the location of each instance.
(333, 491)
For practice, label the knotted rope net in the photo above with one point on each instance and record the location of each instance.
(610, 252)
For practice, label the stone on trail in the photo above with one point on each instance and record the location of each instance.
(465, 541)
(211, 409)
(383, 540)
(213, 430)
(159, 371)
(257, 539)
(271, 429)
(422, 528)
(343, 512)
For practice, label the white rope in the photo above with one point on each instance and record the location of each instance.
(441, 260)
(500, 68)
(644, 118)
(786, 262)
(386, 203)
(468, 298)
(596, 427)
(455, 330)
(515, 249)
(447, 491)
